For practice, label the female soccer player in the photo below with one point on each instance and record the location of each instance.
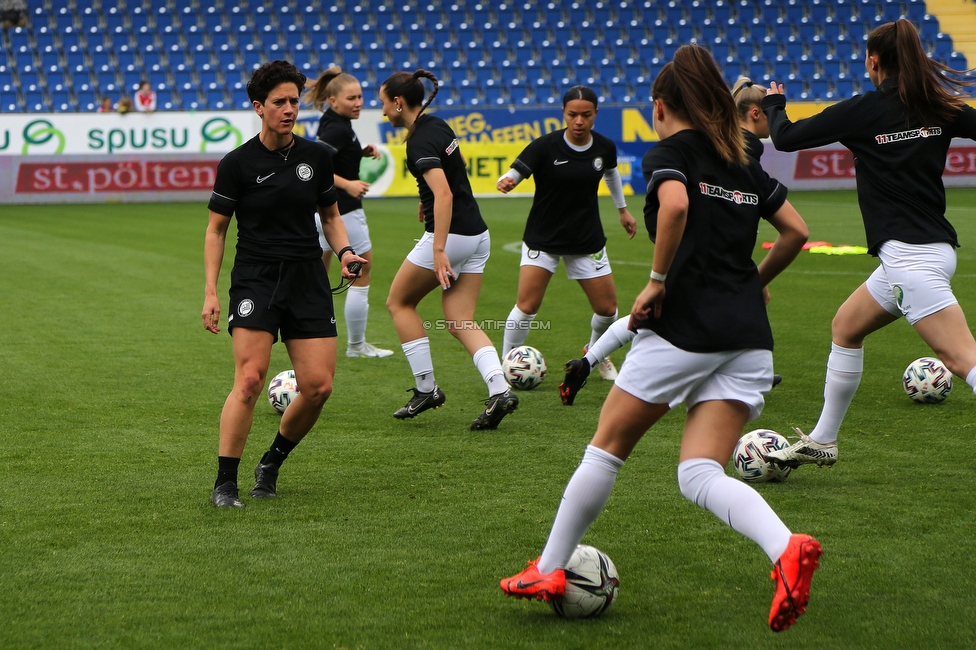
(703, 337)
(747, 99)
(899, 135)
(341, 96)
(748, 105)
(451, 254)
(565, 219)
(273, 183)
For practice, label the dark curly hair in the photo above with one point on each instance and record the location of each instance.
(268, 76)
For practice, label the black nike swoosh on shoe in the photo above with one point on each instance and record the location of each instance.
(526, 585)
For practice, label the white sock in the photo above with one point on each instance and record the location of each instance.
(516, 329)
(616, 337)
(356, 314)
(486, 361)
(844, 367)
(417, 353)
(586, 494)
(971, 379)
(599, 325)
(703, 482)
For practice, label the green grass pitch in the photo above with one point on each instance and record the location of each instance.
(391, 534)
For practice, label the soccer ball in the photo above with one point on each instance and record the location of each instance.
(282, 390)
(524, 367)
(591, 584)
(927, 381)
(748, 456)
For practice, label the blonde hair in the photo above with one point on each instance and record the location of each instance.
(746, 95)
(329, 84)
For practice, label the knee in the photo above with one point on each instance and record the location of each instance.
(695, 476)
(317, 391)
(842, 334)
(250, 385)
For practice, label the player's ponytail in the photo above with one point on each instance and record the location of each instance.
(928, 88)
(410, 87)
(692, 86)
(746, 94)
(329, 84)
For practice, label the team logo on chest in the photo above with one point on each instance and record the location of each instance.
(304, 171)
(735, 196)
(598, 164)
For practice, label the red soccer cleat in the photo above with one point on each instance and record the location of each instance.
(532, 584)
(792, 573)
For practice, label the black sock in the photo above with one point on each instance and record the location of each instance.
(279, 450)
(226, 470)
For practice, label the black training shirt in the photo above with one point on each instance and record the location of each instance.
(565, 214)
(335, 132)
(898, 160)
(754, 146)
(714, 299)
(434, 145)
(274, 199)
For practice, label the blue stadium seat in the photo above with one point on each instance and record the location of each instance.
(34, 102)
(61, 102)
(9, 103)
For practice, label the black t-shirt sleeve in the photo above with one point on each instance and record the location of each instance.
(332, 135)
(528, 161)
(833, 124)
(610, 157)
(965, 123)
(772, 193)
(424, 153)
(327, 193)
(660, 164)
(227, 188)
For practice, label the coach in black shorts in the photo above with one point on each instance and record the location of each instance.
(273, 183)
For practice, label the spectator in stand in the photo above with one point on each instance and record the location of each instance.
(13, 13)
(105, 106)
(145, 98)
(124, 105)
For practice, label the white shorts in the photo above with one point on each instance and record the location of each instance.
(914, 279)
(578, 267)
(356, 228)
(657, 372)
(467, 253)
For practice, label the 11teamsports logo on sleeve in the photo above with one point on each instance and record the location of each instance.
(735, 196)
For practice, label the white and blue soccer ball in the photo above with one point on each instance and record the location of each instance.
(749, 456)
(927, 381)
(282, 390)
(591, 584)
(524, 367)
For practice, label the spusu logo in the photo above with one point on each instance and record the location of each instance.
(735, 196)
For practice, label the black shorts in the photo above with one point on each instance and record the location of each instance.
(291, 297)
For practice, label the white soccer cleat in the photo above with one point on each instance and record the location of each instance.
(367, 350)
(607, 370)
(805, 451)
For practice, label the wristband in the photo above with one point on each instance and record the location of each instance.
(343, 252)
(660, 277)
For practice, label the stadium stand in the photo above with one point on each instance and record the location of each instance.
(197, 54)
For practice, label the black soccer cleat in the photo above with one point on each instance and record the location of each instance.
(496, 407)
(420, 402)
(577, 370)
(265, 481)
(776, 380)
(225, 496)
